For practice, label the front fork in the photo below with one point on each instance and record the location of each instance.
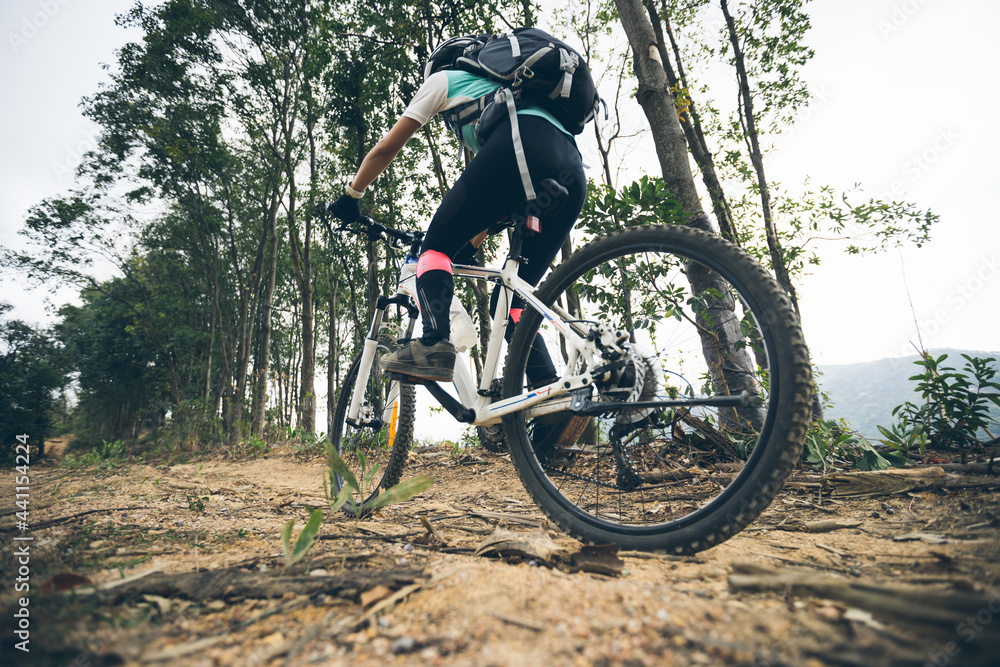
(371, 344)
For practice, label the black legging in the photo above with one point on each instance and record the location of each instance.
(490, 189)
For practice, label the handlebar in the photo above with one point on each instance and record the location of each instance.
(377, 231)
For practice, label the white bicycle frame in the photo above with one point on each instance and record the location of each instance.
(486, 410)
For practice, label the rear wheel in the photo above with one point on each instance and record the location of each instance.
(693, 317)
(375, 448)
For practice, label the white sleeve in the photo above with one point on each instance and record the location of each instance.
(431, 98)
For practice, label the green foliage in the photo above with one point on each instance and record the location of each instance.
(352, 489)
(192, 428)
(232, 121)
(831, 444)
(251, 448)
(773, 38)
(904, 436)
(644, 202)
(197, 503)
(31, 372)
(306, 537)
(955, 408)
(871, 459)
(106, 455)
(861, 224)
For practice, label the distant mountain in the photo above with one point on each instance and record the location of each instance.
(865, 394)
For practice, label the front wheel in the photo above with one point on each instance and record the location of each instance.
(375, 447)
(693, 317)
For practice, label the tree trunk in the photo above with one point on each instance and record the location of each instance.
(331, 361)
(264, 341)
(658, 106)
(757, 158)
(692, 126)
(671, 150)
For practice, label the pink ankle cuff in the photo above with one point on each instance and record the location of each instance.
(432, 260)
(515, 314)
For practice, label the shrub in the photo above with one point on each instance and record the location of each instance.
(955, 408)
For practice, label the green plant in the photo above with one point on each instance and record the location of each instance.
(904, 436)
(396, 494)
(352, 489)
(255, 447)
(305, 443)
(831, 444)
(197, 503)
(871, 459)
(306, 537)
(955, 406)
(105, 455)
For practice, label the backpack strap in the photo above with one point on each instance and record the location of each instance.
(568, 63)
(463, 114)
(505, 96)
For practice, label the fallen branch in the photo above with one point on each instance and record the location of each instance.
(519, 622)
(991, 467)
(884, 482)
(933, 610)
(822, 526)
(238, 583)
(431, 533)
(66, 519)
(502, 516)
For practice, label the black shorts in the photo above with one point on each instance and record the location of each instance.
(490, 189)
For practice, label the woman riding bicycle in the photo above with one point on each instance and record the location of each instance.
(489, 189)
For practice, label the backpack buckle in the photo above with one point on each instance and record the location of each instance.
(521, 73)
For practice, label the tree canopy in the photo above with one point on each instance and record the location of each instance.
(228, 124)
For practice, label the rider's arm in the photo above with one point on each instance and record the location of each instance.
(384, 151)
(430, 98)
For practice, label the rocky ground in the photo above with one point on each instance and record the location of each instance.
(182, 565)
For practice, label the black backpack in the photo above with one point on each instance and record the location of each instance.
(534, 69)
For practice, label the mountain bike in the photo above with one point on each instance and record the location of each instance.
(683, 398)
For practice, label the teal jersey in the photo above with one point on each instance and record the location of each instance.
(449, 88)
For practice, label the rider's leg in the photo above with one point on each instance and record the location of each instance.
(562, 162)
(433, 356)
(488, 190)
(540, 370)
(435, 287)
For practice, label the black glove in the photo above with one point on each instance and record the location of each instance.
(346, 209)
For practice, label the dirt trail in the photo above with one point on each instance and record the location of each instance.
(390, 593)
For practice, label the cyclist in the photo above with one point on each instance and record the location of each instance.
(488, 190)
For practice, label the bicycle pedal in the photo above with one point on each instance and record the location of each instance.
(406, 379)
(560, 457)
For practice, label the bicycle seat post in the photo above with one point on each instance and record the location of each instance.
(519, 232)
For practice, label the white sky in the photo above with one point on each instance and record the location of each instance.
(907, 94)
